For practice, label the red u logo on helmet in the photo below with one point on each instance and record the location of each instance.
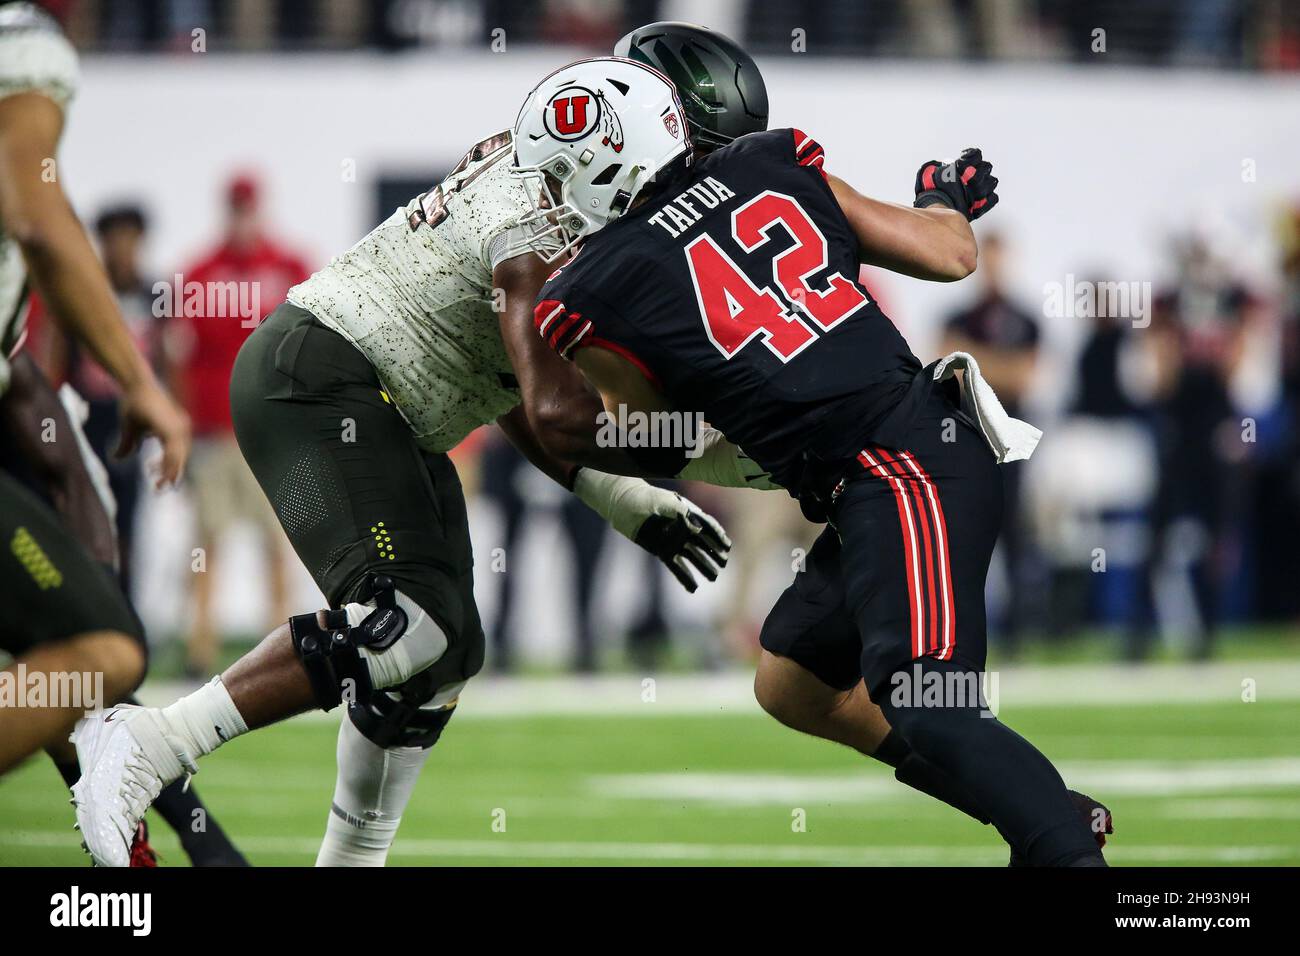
(572, 113)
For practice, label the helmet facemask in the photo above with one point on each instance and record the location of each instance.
(557, 224)
(554, 227)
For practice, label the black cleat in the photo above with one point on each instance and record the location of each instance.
(1096, 815)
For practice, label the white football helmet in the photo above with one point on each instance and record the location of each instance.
(599, 130)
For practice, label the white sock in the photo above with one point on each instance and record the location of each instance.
(373, 787)
(205, 719)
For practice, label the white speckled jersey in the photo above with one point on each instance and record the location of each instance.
(34, 57)
(415, 296)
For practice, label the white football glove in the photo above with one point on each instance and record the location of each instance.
(667, 525)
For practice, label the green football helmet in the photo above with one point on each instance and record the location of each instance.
(719, 84)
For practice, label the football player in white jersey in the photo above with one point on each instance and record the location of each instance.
(345, 403)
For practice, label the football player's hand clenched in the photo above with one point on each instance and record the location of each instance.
(967, 185)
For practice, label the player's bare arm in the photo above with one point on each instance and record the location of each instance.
(559, 409)
(514, 425)
(931, 239)
(562, 412)
(63, 267)
(935, 243)
(672, 528)
(622, 388)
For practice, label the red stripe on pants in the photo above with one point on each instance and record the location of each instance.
(929, 540)
(910, 550)
(949, 630)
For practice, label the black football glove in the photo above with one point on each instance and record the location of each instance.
(683, 539)
(968, 185)
(672, 528)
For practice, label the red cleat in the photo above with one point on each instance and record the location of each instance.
(142, 854)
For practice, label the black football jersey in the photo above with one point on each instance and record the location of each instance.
(734, 290)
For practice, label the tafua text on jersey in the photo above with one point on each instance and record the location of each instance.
(682, 211)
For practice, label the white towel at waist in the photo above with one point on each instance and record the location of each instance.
(1009, 438)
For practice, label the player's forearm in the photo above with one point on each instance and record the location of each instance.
(559, 443)
(559, 415)
(573, 435)
(934, 243)
(559, 411)
(74, 288)
(514, 425)
(59, 257)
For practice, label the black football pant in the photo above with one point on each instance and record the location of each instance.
(353, 490)
(898, 589)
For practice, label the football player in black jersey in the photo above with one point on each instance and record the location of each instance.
(726, 286)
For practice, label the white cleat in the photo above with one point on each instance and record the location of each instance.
(126, 759)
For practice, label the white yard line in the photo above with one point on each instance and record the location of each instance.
(731, 692)
(1233, 808)
(1139, 778)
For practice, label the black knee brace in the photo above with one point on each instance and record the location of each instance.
(331, 655)
(332, 661)
(389, 720)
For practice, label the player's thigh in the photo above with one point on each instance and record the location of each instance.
(332, 456)
(810, 623)
(53, 589)
(352, 490)
(918, 528)
(451, 586)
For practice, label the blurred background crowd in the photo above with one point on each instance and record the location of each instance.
(1159, 516)
(1248, 34)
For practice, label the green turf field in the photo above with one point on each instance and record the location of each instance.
(1190, 783)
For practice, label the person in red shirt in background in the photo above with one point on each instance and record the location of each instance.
(216, 304)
